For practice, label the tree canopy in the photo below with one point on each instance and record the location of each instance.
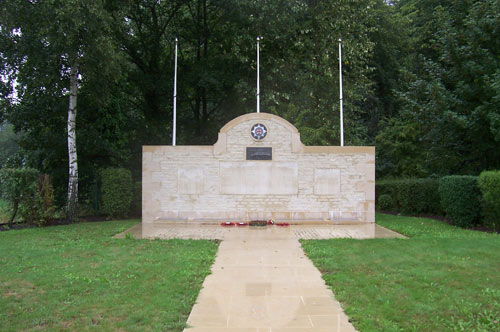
(421, 78)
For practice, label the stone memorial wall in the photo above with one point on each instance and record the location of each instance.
(258, 169)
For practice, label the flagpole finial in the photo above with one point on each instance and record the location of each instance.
(176, 40)
(340, 40)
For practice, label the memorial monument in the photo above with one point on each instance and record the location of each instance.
(259, 169)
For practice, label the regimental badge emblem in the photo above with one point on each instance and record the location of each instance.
(259, 131)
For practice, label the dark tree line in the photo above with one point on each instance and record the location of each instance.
(421, 78)
(448, 119)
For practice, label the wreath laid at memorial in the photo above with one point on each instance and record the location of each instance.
(258, 223)
(255, 223)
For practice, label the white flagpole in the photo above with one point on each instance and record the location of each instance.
(174, 125)
(258, 75)
(341, 96)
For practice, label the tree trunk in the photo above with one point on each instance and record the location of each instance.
(14, 212)
(72, 204)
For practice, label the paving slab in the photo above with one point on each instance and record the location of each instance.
(265, 284)
(209, 231)
(261, 279)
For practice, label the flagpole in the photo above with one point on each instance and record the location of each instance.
(174, 125)
(341, 96)
(258, 75)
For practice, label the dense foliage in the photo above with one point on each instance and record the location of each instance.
(30, 195)
(410, 196)
(489, 184)
(449, 115)
(19, 189)
(116, 190)
(460, 198)
(385, 202)
(8, 145)
(421, 78)
(136, 205)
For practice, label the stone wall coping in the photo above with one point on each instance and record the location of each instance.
(153, 148)
(339, 149)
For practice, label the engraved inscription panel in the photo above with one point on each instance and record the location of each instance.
(190, 180)
(258, 153)
(326, 181)
(255, 178)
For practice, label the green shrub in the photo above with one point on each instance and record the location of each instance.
(489, 184)
(385, 202)
(460, 199)
(412, 196)
(116, 189)
(19, 188)
(89, 195)
(136, 206)
(46, 196)
(30, 196)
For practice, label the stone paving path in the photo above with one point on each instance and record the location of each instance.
(261, 280)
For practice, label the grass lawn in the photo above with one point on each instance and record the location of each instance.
(441, 279)
(78, 278)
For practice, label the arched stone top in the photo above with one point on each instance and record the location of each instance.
(258, 116)
(220, 146)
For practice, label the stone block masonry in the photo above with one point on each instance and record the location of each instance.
(295, 182)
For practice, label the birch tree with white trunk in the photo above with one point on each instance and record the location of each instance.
(51, 47)
(72, 201)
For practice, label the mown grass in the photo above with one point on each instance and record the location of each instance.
(78, 278)
(441, 279)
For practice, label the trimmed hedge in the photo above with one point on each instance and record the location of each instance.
(116, 189)
(412, 196)
(463, 199)
(489, 184)
(460, 198)
(385, 202)
(136, 206)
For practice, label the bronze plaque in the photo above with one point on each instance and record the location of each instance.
(259, 153)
